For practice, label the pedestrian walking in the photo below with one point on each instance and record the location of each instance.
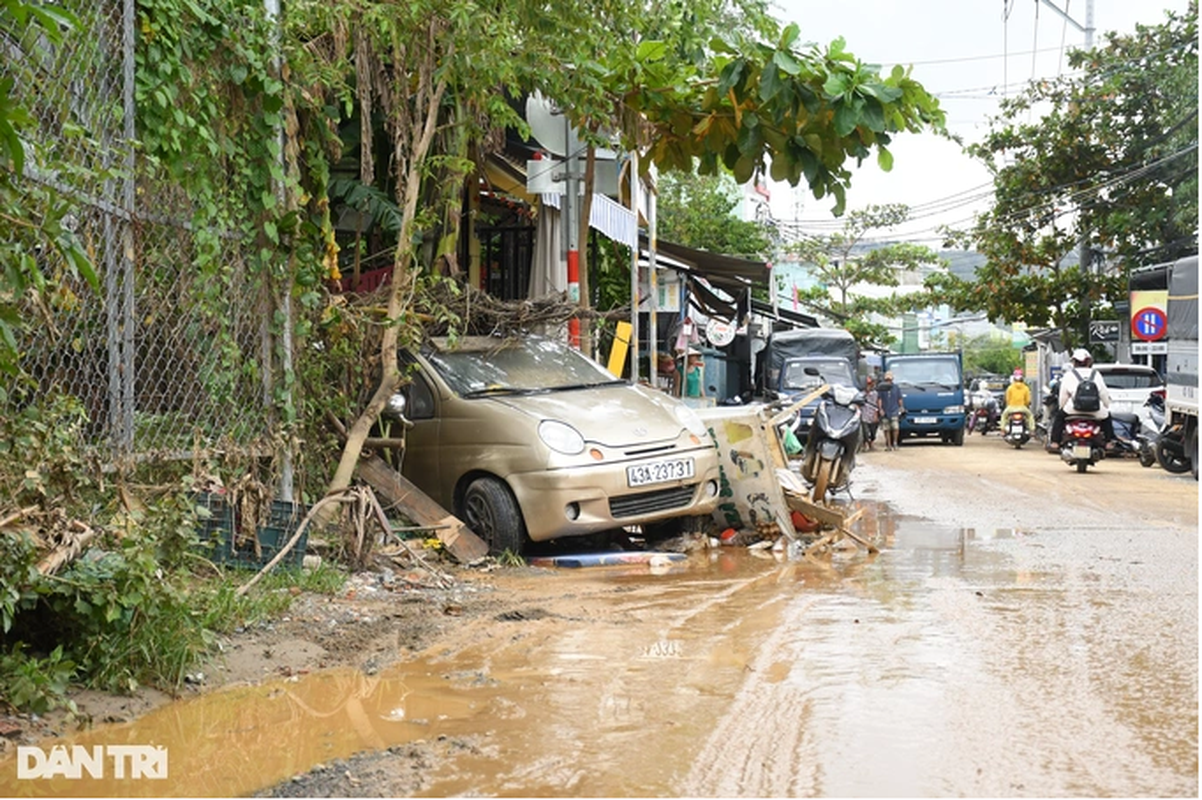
(870, 415)
(889, 398)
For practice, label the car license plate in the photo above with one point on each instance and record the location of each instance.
(671, 469)
(924, 420)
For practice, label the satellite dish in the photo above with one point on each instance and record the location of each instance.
(549, 130)
(546, 124)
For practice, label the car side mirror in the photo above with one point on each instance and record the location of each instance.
(395, 407)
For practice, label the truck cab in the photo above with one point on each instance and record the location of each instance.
(800, 376)
(932, 387)
(796, 362)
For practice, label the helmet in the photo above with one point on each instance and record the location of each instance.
(1081, 356)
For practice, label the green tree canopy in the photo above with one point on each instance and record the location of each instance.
(700, 211)
(843, 260)
(1111, 160)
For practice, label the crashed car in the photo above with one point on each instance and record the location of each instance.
(529, 440)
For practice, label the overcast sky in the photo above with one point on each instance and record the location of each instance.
(968, 53)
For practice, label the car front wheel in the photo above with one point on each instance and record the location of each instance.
(492, 513)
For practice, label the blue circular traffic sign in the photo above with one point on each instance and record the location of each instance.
(1149, 324)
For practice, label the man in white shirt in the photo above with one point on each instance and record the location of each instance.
(1082, 367)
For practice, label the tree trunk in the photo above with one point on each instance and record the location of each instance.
(586, 210)
(420, 136)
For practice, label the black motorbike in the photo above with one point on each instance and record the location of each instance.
(830, 451)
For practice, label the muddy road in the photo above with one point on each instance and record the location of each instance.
(1025, 631)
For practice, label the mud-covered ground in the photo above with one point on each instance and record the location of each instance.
(493, 616)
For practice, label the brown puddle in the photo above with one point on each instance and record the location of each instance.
(738, 675)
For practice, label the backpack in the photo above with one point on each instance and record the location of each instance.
(1087, 397)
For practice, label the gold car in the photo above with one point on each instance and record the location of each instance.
(529, 440)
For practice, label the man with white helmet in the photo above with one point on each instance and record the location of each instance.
(1082, 369)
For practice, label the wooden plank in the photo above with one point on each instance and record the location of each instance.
(456, 537)
(828, 516)
(617, 354)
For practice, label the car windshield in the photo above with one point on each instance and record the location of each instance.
(1130, 380)
(925, 372)
(482, 366)
(835, 371)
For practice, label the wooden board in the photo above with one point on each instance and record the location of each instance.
(397, 492)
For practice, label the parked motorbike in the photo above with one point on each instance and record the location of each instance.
(984, 415)
(1162, 444)
(1082, 444)
(1017, 432)
(830, 450)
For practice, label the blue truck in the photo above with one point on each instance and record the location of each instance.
(932, 387)
(796, 362)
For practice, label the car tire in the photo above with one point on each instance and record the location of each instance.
(1193, 452)
(957, 438)
(1170, 461)
(491, 511)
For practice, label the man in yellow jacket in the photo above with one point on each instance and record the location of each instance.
(1018, 399)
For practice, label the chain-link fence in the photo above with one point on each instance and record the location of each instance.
(165, 357)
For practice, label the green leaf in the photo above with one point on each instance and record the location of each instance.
(730, 76)
(884, 159)
(873, 116)
(789, 35)
(836, 84)
(846, 119)
(744, 169)
(770, 83)
(651, 50)
(785, 60)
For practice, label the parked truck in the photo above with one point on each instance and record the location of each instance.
(932, 387)
(1181, 363)
(794, 363)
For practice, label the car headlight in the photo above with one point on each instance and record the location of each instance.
(561, 437)
(953, 409)
(688, 418)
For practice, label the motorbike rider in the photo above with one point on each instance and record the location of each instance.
(1082, 366)
(1018, 400)
(981, 399)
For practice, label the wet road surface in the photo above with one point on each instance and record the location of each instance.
(1050, 649)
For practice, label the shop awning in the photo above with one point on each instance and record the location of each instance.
(727, 272)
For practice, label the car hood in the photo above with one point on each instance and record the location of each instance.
(614, 416)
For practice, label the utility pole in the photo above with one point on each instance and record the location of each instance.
(1084, 258)
(571, 218)
(634, 268)
(272, 7)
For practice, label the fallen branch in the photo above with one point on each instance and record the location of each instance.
(382, 518)
(67, 552)
(11, 518)
(338, 496)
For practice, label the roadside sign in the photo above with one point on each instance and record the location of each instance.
(1149, 348)
(1149, 324)
(1104, 330)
